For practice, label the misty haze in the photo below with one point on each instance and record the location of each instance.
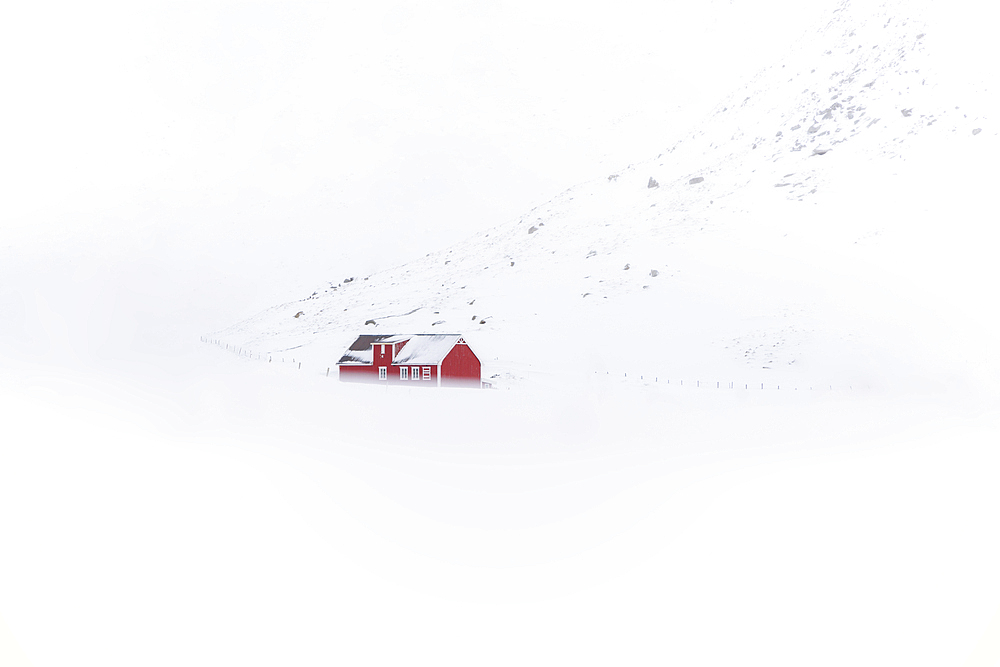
(530, 333)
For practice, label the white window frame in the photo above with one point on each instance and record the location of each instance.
(427, 372)
(382, 373)
(403, 373)
(415, 373)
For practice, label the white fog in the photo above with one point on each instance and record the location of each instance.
(728, 267)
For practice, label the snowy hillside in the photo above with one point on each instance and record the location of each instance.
(781, 240)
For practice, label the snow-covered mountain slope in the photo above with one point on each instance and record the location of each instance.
(822, 226)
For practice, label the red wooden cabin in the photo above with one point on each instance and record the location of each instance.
(438, 360)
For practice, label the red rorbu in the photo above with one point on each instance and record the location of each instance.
(438, 360)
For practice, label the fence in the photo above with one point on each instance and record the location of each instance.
(732, 384)
(259, 356)
(667, 382)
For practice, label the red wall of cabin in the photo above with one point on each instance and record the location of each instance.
(358, 374)
(366, 373)
(392, 376)
(461, 368)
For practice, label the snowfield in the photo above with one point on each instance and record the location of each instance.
(260, 515)
(745, 386)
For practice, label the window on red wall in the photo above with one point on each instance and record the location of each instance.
(402, 372)
(381, 373)
(427, 372)
(415, 373)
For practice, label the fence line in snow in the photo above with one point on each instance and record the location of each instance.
(736, 385)
(679, 382)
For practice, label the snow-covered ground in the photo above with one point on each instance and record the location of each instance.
(254, 514)
(770, 439)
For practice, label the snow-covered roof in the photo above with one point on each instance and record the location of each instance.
(419, 348)
(426, 349)
(360, 351)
